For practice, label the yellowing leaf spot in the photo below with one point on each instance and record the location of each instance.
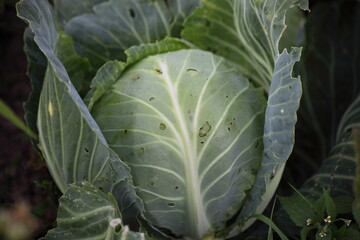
(50, 109)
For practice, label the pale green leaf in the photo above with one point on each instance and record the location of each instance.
(248, 33)
(111, 71)
(190, 127)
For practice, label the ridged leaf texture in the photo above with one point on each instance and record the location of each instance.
(116, 25)
(190, 127)
(247, 32)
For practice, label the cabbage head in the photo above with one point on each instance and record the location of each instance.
(161, 119)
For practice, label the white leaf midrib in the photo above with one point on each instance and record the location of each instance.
(198, 221)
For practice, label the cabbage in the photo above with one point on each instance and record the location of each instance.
(188, 136)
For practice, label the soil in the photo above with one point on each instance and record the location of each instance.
(24, 178)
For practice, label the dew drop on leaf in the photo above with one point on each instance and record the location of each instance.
(205, 129)
(162, 126)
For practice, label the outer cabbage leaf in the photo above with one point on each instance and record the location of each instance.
(85, 212)
(280, 119)
(338, 170)
(247, 32)
(117, 25)
(37, 64)
(190, 127)
(330, 73)
(78, 68)
(71, 142)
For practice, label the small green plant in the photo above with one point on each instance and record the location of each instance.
(320, 218)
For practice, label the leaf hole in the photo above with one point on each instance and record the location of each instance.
(205, 129)
(151, 99)
(162, 126)
(142, 151)
(176, 187)
(170, 204)
(256, 144)
(151, 183)
(125, 131)
(158, 71)
(229, 128)
(86, 150)
(132, 13)
(227, 96)
(118, 228)
(289, 87)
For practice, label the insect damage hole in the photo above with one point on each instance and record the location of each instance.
(205, 129)
(158, 71)
(132, 13)
(170, 204)
(116, 223)
(162, 126)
